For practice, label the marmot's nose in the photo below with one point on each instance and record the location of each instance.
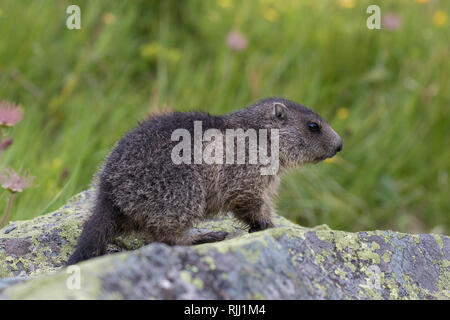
(339, 147)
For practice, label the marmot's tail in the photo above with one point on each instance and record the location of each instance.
(99, 230)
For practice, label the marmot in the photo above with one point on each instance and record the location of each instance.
(140, 188)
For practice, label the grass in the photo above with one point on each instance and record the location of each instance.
(385, 91)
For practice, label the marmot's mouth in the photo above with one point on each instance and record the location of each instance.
(318, 159)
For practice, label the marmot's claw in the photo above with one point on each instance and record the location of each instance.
(218, 235)
(261, 226)
(213, 236)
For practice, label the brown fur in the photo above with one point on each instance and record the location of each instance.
(139, 188)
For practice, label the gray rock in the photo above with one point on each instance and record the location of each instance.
(286, 262)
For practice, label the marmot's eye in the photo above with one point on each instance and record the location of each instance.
(313, 127)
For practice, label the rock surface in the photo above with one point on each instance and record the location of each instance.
(286, 262)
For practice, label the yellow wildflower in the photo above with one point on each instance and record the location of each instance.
(342, 113)
(440, 18)
(152, 51)
(330, 160)
(52, 188)
(57, 163)
(173, 55)
(224, 3)
(271, 15)
(108, 18)
(422, 1)
(347, 4)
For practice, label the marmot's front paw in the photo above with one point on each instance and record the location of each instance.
(262, 225)
(212, 236)
(217, 235)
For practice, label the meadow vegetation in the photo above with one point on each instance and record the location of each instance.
(385, 91)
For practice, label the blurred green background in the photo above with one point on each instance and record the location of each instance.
(385, 91)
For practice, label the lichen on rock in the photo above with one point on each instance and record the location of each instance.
(285, 262)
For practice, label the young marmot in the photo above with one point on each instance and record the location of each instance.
(141, 188)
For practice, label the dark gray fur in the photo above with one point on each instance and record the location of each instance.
(139, 188)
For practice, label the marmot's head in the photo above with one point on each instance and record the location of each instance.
(304, 136)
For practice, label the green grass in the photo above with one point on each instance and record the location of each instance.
(82, 89)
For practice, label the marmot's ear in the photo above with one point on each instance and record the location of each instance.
(279, 110)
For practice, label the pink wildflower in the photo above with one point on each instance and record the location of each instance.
(236, 41)
(13, 182)
(10, 114)
(391, 21)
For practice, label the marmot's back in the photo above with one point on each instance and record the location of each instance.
(140, 173)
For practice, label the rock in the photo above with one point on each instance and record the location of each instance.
(286, 262)
(42, 245)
